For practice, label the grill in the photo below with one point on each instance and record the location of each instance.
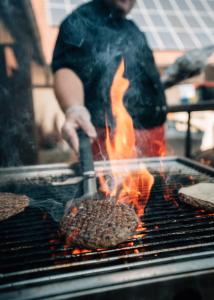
(171, 256)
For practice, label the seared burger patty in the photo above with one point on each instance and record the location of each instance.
(200, 195)
(12, 204)
(98, 223)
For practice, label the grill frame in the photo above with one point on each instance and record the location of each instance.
(139, 275)
(19, 173)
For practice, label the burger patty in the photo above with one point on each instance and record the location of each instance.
(200, 195)
(12, 204)
(98, 223)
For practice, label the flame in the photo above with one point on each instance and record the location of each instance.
(160, 148)
(123, 144)
(79, 251)
(127, 186)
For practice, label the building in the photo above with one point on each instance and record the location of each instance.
(19, 47)
(172, 27)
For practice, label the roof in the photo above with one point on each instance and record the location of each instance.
(19, 20)
(168, 24)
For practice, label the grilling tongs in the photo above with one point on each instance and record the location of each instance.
(87, 165)
(87, 170)
(57, 209)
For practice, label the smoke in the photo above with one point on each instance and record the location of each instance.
(54, 208)
(53, 199)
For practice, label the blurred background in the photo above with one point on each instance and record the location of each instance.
(30, 118)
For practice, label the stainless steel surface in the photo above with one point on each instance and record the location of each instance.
(90, 186)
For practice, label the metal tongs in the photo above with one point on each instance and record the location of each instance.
(87, 165)
(87, 170)
(58, 209)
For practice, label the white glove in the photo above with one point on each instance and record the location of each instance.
(77, 116)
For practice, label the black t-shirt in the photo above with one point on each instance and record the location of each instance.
(91, 42)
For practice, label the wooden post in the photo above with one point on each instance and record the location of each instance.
(17, 129)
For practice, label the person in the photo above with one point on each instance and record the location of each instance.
(91, 42)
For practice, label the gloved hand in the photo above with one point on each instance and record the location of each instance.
(77, 116)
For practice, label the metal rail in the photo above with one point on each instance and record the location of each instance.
(189, 108)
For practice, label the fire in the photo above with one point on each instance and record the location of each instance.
(127, 186)
(161, 149)
(79, 251)
(122, 145)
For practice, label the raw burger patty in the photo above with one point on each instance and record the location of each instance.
(200, 195)
(98, 223)
(11, 205)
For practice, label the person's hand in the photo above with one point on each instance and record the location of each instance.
(76, 117)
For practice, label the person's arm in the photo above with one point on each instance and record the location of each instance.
(70, 94)
(68, 88)
(68, 79)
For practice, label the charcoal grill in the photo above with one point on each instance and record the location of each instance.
(172, 257)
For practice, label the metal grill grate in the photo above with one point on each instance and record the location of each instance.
(31, 251)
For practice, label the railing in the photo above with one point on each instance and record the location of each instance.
(189, 108)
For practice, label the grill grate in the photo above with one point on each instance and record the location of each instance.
(31, 251)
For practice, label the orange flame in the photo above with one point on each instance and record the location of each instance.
(123, 144)
(128, 186)
(161, 149)
(79, 251)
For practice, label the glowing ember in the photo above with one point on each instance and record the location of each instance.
(79, 251)
(127, 186)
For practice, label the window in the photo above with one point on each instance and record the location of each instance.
(208, 21)
(175, 21)
(57, 15)
(211, 4)
(204, 39)
(149, 4)
(151, 40)
(139, 19)
(191, 21)
(59, 9)
(182, 4)
(168, 40)
(157, 20)
(186, 40)
(166, 4)
(198, 5)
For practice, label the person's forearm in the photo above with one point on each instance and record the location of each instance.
(70, 95)
(68, 89)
